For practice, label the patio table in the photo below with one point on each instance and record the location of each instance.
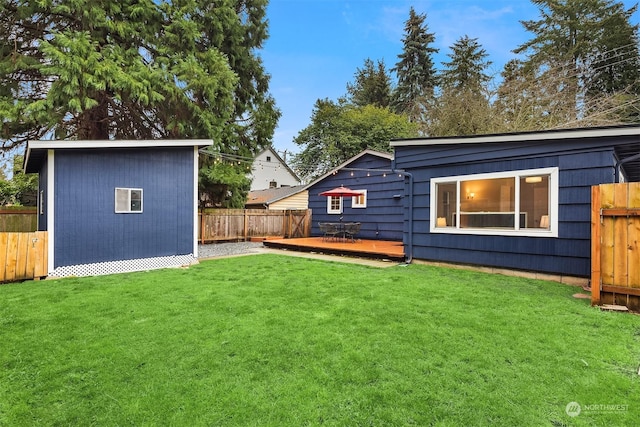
(340, 230)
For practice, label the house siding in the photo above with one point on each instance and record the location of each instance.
(297, 201)
(382, 218)
(580, 166)
(87, 228)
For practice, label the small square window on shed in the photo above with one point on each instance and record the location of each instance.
(128, 200)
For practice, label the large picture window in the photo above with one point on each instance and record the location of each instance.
(128, 200)
(506, 203)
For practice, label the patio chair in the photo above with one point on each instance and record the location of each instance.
(351, 229)
(329, 230)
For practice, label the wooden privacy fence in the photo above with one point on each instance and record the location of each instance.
(20, 219)
(615, 245)
(23, 256)
(243, 224)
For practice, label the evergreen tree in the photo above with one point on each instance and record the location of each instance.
(463, 106)
(467, 69)
(525, 101)
(415, 69)
(87, 69)
(589, 48)
(372, 85)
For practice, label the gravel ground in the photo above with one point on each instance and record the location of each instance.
(226, 249)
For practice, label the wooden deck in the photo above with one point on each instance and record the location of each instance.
(378, 249)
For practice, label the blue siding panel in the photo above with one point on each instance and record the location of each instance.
(383, 216)
(581, 164)
(87, 229)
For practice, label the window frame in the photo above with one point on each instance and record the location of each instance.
(334, 211)
(130, 209)
(354, 200)
(517, 175)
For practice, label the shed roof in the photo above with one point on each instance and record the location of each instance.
(36, 150)
(272, 195)
(625, 140)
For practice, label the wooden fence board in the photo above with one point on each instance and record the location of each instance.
(41, 254)
(23, 256)
(620, 272)
(239, 224)
(596, 238)
(18, 220)
(3, 255)
(615, 221)
(12, 256)
(633, 241)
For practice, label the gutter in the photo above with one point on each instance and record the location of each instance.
(409, 256)
(619, 164)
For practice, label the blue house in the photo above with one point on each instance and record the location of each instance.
(379, 209)
(114, 206)
(515, 201)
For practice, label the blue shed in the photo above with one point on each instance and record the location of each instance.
(517, 201)
(114, 206)
(379, 210)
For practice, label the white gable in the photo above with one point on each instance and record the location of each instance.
(269, 170)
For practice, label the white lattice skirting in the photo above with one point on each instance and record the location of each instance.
(124, 266)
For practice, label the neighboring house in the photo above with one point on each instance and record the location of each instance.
(270, 171)
(515, 201)
(112, 206)
(282, 198)
(379, 209)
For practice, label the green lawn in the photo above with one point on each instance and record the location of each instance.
(284, 341)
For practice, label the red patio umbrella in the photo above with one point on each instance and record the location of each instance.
(341, 191)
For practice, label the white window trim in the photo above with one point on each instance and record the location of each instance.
(333, 211)
(354, 200)
(129, 190)
(527, 232)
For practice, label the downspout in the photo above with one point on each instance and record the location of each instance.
(409, 256)
(623, 161)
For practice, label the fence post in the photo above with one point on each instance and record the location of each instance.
(202, 226)
(246, 225)
(595, 245)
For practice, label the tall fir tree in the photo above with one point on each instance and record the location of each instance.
(589, 48)
(415, 70)
(135, 70)
(463, 105)
(372, 85)
(467, 69)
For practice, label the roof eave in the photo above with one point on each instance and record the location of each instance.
(102, 144)
(552, 135)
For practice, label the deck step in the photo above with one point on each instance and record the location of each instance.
(614, 307)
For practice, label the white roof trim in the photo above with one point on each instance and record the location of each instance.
(518, 137)
(387, 156)
(121, 143)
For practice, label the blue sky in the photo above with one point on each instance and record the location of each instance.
(315, 46)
